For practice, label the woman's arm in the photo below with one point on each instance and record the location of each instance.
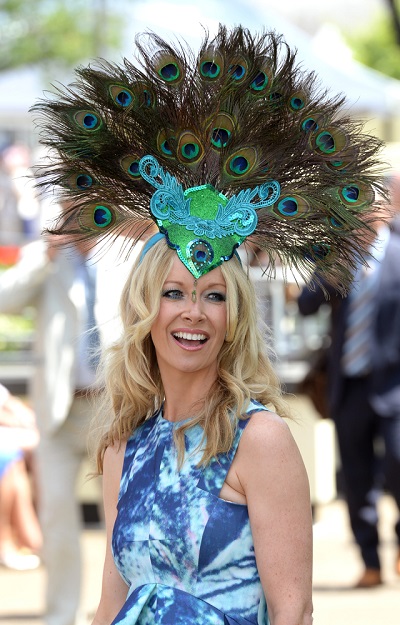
(114, 589)
(274, 480)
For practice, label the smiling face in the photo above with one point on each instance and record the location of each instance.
(188, 335)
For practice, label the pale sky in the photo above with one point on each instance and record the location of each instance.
(184, 17)
(310, 13)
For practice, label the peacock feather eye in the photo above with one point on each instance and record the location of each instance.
(79, 181)
(238, 72)
(96, 217)
(260, 83)
(189, 148)
(121, 95)
(165, 143)
(144, 95)
(168, 67)
(356, 194)
(343, 162)
(335, 223)
(88, 120)
(147, 98)
(297, 101)
(130, 164)
(210, 70)
(211, 64)
(276, 98)
(336, 165)
(262, 79)
(102, 216)
(309, 124)
(320, 251)
(329, 141)
(166, 148)
(325, 142)
(84, 181)
(238, 69)
(220, 137)
(221, 130)
(240, 163)
(288, 207)
(350, 194)
(169, 72)
(291, 206)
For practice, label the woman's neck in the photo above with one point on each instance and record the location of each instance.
(184, 394)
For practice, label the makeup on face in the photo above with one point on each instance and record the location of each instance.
(190, 327)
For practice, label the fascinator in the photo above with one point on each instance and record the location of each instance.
(232, 145)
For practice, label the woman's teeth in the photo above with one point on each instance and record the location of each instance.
(189, 337)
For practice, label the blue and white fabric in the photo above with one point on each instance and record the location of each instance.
(186, 554)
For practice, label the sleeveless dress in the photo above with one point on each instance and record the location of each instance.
(186, 555)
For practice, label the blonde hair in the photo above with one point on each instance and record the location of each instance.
(132, 381)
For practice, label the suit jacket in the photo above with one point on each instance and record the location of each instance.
(385, 347)
(49, 287)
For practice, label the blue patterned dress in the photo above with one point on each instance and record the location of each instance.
(186, 555)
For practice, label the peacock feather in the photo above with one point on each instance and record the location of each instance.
(236, 116)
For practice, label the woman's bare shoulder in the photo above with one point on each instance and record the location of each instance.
(266, 426)
(267, 441)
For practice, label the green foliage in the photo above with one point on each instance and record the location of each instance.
(52, 32)
(16, 332)
(375, 45)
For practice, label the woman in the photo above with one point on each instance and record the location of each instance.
(206, 498)
(213, 510)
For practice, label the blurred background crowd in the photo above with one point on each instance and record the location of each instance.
(355, 49)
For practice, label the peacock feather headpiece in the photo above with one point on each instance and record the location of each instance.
(237, 144)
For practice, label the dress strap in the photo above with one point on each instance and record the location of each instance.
(214, 474)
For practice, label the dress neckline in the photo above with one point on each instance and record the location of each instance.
(172, 423)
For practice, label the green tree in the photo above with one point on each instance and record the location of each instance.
(394, 10)
(55, 32)
(378, 44)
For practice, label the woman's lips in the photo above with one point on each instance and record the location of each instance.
(190, 340)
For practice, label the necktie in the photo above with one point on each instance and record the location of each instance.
(356, 360)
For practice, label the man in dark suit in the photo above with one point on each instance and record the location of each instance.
(364, 398)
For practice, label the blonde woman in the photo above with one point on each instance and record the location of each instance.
(206, 497)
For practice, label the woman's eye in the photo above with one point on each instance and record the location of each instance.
(172, 294)
(216, 297)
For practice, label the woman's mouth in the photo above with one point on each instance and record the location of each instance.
(189, 339)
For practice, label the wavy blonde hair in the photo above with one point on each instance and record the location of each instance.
(133, 388)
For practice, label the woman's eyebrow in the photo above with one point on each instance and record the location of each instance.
(214, 284)
(174, 282)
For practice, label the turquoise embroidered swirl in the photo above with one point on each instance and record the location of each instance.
(237, 215)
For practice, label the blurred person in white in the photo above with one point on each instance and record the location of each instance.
(21, 205)
(58, 283)
(10, 222)
(20, 533)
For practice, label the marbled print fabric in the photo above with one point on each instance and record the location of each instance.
(186, 554)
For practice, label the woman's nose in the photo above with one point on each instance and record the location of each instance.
(194, 309)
